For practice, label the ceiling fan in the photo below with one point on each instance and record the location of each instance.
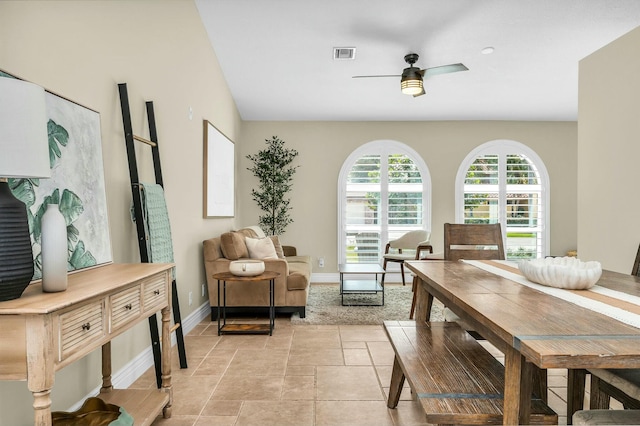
(411, 78)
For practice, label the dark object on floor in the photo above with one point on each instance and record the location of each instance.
(94, 412)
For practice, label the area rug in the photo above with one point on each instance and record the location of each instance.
(324, 306)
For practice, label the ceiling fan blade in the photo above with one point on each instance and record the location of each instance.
(443, 69)
(369, 76)
(419, 94)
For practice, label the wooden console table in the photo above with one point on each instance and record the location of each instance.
(44, 332)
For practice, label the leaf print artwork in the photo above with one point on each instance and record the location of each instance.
(77, 185)
(70, 205)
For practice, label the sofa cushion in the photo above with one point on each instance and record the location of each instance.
(278, 246)
(261, 248)
(233, 245)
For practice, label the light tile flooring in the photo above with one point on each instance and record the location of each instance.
(302, 375)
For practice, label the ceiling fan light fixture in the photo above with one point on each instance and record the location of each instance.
(411, 87)
(411, 82)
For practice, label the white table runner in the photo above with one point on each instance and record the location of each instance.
(614, 312)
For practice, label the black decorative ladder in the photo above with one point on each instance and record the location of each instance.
(136, 190)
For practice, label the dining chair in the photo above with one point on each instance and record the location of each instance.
(471, 241)
(408, 247)
(620, 384)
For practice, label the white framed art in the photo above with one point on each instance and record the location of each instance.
(219, 173)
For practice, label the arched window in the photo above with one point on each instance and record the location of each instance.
(506, 182)
(384, 190)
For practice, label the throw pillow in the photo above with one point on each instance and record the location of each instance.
(261, 248)
(253, 231)
(276, 243)
(233, 245)
(248, 232)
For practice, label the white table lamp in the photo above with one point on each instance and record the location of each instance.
(24, 153)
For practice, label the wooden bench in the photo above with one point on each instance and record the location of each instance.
(620, 384)
(606, 417)
(454, 378)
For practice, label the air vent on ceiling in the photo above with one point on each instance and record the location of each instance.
(344, 53)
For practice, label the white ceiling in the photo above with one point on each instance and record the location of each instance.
(277, 56)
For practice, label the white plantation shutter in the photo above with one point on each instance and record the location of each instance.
(525, 210)
(405, 195)
(502, 184)
(381, 196)
(362, 212)
(481, 190)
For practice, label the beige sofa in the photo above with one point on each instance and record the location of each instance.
(291, 287)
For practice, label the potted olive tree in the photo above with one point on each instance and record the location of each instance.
(272, 167)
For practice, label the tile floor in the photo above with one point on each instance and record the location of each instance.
(302, 375)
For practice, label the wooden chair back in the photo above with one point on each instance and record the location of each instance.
(473, 241)
(636, 263)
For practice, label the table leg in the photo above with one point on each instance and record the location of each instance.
(424, 302)
(40, 368)
(575, 391)
(42, 407)
(107, 386)
(517, 388)
(272, 309)
(219, 307)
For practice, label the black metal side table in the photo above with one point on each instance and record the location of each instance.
(237, 328)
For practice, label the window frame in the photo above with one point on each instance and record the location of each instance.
(502, 148)
(383, 147)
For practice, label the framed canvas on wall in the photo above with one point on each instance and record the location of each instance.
(77, 185)
(219, 173)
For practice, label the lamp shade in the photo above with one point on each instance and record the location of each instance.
(24, 153)
(24, 150)
(411, 87)
(411, 82)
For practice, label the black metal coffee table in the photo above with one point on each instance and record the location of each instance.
(364, 281)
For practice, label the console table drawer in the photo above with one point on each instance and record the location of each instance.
(125, 306)
(80, 327)
(154, 291)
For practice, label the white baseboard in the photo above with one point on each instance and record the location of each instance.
(193, 319)
(128, 374)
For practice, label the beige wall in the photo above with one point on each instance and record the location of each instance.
(608, 152)
(81, 50)
(324, 146)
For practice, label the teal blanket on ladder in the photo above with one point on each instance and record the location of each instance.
(156, 222)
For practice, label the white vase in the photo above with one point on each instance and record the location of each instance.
(54, 250)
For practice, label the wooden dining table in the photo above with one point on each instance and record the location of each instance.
(531, 327)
